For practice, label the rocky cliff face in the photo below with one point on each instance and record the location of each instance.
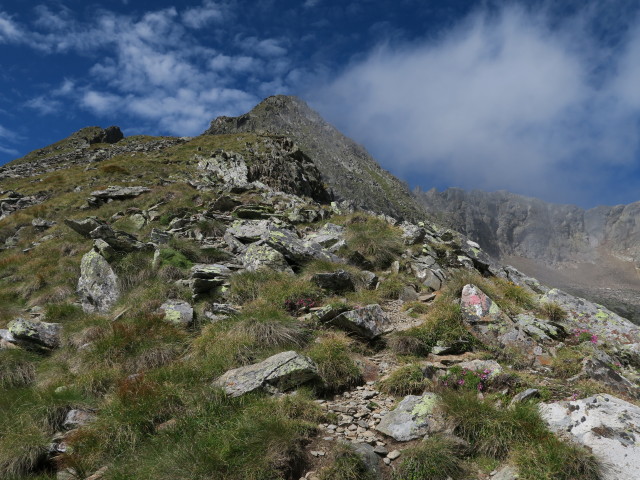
(508, 224)
(346, 166)
(592, 252)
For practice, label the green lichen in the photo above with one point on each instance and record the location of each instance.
(425, 406)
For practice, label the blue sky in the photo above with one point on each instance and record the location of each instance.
(539, 98)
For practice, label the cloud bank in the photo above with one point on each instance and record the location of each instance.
(501, 101)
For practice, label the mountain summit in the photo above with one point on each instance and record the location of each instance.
(346, 166)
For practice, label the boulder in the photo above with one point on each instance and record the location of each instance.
(78, 418)
(253, 211)
(263, 256)
(370, 458)
(524, 396)
(412, 234)
(541, 331)
(118, 240)
(220, 311)
(413, 418)
(35, 334)
(84, 227)
(42, 224)
(328, 312)
(606, 425)
(249, 231)
(330, 236)
(337, 282)
(295, 250)
(178, 312)
(482, 315)
(282, 372)
(98, 284)
(230, 167)
(368, 322)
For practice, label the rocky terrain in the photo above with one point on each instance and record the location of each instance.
(593, 252)
(219, 307)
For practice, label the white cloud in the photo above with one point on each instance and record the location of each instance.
(498, 102)
(199, 17)
(9, 30)
(7, 134)
(310, 3)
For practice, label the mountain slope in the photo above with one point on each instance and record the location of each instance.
(346, 166)
(196, 309)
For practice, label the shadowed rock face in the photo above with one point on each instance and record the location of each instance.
(352, 173)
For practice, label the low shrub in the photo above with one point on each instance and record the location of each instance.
(435, 458)
(567, 362)
(555, 459)
(553, 311)
(346, 464)
(406, 380)
(173, 258)
(402, 344)
(335, 365)
(490, 430)
(376, 240)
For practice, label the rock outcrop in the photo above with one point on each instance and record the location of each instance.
(282, 372)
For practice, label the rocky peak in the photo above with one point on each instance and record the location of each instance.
(352, 173)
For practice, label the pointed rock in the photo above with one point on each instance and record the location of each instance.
(98, 284)
(263, 256)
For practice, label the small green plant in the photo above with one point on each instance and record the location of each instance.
(567, 362)
(376, 240)
(553, 311)
(407, 380)
(435, 458)
(489, 429)
(335, 365)
(458, 378)
(171, 257)
(17, 368)
(402, 344)
(62, 312)
(346, 465)
(555, 459)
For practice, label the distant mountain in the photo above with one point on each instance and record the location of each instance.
(595, 252)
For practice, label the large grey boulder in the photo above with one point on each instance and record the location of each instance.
(98, 284)
(295, 249)
(413, 418)
(263, 256)
(249, 231)
(282, 372)
(118, 240)
(412, 234)
(368, 322)
(330, 236)
(35, 334)
(230, 167)
(608, 426)
(338, 282)
(177, 312)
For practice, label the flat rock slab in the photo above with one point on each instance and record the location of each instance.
(120, 193)
(177, 312)
(607, 425)
(98, 284)
(33, 333)
(413, 418)
(283, 371)
(368, 322)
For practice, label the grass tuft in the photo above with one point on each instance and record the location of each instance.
(335, 365)
(435, 458)
(406, 380)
